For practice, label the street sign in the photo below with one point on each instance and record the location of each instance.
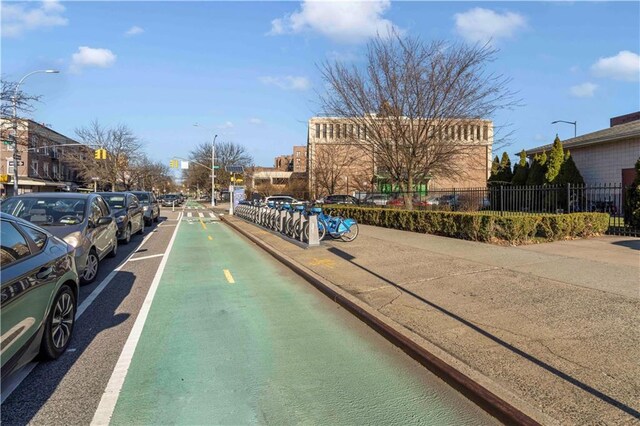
(20, 163)
(95, 178)
(17, 156)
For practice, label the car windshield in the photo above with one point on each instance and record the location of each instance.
(115, 201)
(46, 211)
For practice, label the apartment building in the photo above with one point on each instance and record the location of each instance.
(42, 166)
(341, 160)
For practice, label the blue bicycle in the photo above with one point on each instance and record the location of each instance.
(336, 227)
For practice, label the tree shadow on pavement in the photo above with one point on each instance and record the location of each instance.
(562, 375)
(632, 244)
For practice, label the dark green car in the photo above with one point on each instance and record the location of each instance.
(39, 295)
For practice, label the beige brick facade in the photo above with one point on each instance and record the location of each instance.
(340, 155)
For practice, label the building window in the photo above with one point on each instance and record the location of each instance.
(34, 167)
(364, 131)
(45, 169)
(33, 141)
(324, 131)
(331, 131)
(351, 130)
(486, 132)
(298, 154)
(9, 167)
(318, 130)
(338, 131)
(344, 130)
(55, 171)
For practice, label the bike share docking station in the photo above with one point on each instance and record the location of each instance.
(290, 223)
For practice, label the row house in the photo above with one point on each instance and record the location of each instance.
(44, 164)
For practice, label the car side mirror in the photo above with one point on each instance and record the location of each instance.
(104, 220)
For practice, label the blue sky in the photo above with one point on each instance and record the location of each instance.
(247, 70)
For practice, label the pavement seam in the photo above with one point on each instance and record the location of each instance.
(482, 390)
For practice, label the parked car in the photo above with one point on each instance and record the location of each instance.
(150, 206)
(127, 212)
(39, 293)
(82, 220)
(377, 200)
(170, 200)
(340, 199)
(280, 199)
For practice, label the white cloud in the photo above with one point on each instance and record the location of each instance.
(226, 125)
(288, 83)
(342, 21)
(623, 66)
(87, 57)
(584, 90)
(18, 18)
(482, 25)
(255, 121)
(135, 30)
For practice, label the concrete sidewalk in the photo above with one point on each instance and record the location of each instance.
(553, 325)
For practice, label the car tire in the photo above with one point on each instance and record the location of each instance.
(91, 269)
(114, 250)
(127, 234)
(58, 328)
(141, 230)
(155, 219)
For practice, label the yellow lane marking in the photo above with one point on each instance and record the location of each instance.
(229, 277)
(330, 263)
(203, 225)
(210, 237)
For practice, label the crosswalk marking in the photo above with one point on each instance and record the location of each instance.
(189, 214)
(200, 214)
(211, 215)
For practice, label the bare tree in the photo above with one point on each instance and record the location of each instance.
(24, 101)
(145, 174)
(123, 149)
(227, 154)
(332, 164)
(411, 103)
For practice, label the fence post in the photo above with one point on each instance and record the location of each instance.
(501, 200)
(568, 198)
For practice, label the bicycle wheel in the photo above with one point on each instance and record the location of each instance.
(350, 234)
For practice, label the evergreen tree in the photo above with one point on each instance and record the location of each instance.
(538, 170)
(495, 168)
(521, 170)
(569, 173)
(505, 174)
(632, 201)
(554, 163)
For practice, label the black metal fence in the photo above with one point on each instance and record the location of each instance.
(520, 200)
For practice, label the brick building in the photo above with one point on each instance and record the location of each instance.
(44, 168)
(283, 163)
(607, 155)
(340, 157)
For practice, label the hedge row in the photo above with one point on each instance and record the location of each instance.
(478, 226)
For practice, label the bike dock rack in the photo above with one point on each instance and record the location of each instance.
(276, 220)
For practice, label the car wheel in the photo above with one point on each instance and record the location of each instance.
(114, 250)
(155, 219)
(59, 325)
(91, 269)
(141, 230)
(127, 234)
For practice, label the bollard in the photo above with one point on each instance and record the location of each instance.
(282, 219)
(296, 216)
(300, 227)
(314, 235)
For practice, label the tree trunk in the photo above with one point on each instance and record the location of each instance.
(408, 195)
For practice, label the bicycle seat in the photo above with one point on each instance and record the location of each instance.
(286, 206)
(300, 208)
(316, 210)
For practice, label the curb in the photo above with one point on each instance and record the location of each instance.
(485, 393)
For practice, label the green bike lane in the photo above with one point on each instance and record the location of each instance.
(232, 337)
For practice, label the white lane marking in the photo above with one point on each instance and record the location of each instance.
(103, 413)
(27, 369)
(146, 257)
(211, 215)
(189, 214)
(200, 214)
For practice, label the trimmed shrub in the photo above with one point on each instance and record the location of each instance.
(478, 226)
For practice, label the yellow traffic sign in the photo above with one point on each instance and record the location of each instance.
(4, 178)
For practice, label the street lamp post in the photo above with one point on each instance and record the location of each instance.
(213, 168)
(15, 125)
(575, 125)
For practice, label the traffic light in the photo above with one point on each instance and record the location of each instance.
(174, 164)
(100, 154)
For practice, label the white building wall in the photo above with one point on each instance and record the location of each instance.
(603, 163)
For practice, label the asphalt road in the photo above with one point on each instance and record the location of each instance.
(68, 390)
(231, 337)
